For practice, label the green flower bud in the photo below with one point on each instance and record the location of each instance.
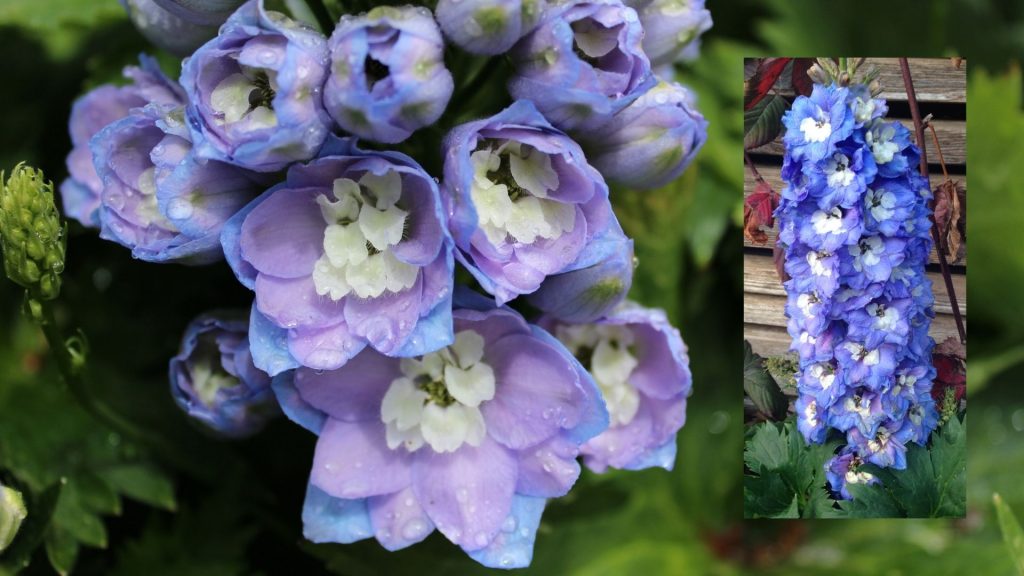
(32, 235)
(12, 512)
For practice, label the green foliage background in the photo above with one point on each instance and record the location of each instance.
(191, 504)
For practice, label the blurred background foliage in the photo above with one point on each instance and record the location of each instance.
(186, 503)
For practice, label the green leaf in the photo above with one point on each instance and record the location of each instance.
(61, 549)
(768, 496)
(78, 521)
(767, 449)
(763, 122)
(870, 501)
(143, 483)
(1012, 533)
(949, 461)
(761, 387)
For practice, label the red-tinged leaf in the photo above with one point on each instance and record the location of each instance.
(757, 212)
(802, 83)
(762, 123)
(767, 73)
(951, 373)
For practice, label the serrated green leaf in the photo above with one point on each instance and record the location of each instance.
(949, 461)
(767, 450)
(763, 122)
(141, 482)
(870, 501)
(768, 496)
(1012, 533)
(759, 385)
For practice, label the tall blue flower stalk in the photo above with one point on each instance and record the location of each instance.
(854, 224)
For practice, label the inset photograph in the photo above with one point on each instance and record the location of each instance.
(855, 276)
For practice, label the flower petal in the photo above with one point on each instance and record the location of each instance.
(398, 520)
(352, 460)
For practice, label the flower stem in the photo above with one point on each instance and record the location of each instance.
(915, 113)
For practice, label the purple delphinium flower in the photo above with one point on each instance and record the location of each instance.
(582, 64)
(523, 200)
(255, 91)
(594, 284)
(350, 250)
(816, 124)
(650, 142)
(469, 439)
(92, 112)
(488, 26)
(810, 419)
(214, 380)
(883, 448)
(156, 199)
(387, 75)
(672, 29)
(843, 469)
(173, 27)
(640, 364)
(889, 143)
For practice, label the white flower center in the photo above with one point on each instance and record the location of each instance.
(816, 129)
(886, 317)
(838, 171)
(880, 138)
(830, 222)
(811, 413)
(437, 399)
(862, 354)
(806, 303)
(880, 441)
(363, 224)
(510, 193)
(824, 374)
(856, 477)
(867, 252)
(881, 203)
(146, 208)
(246, 95)
(611, 362)
(814, 260)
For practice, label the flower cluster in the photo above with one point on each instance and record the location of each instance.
(296, 156)
(854, 222)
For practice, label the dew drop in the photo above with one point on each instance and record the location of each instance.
(509, 525)
(179, 209)
(482, 539)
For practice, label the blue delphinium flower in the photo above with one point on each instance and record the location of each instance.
(214, 380)
(815, 124)
(640, 363)
(351, 250)
(582, 64)
(853, 221)
(470, 440)
(488, 26)
(387, 75)
(524, 202)
(94, 111)
(255, 91)
(651, 141)
(672, 30)
(156, 199)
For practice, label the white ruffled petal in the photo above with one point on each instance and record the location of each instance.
(470, 386)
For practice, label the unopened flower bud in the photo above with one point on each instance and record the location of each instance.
(12, 513)
(31, 232)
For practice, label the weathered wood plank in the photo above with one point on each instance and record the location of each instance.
(759, 277)
(766, 340)
(935, 79)
(772, 177)
(952, 137)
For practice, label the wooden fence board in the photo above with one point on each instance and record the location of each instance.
(935, 79)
